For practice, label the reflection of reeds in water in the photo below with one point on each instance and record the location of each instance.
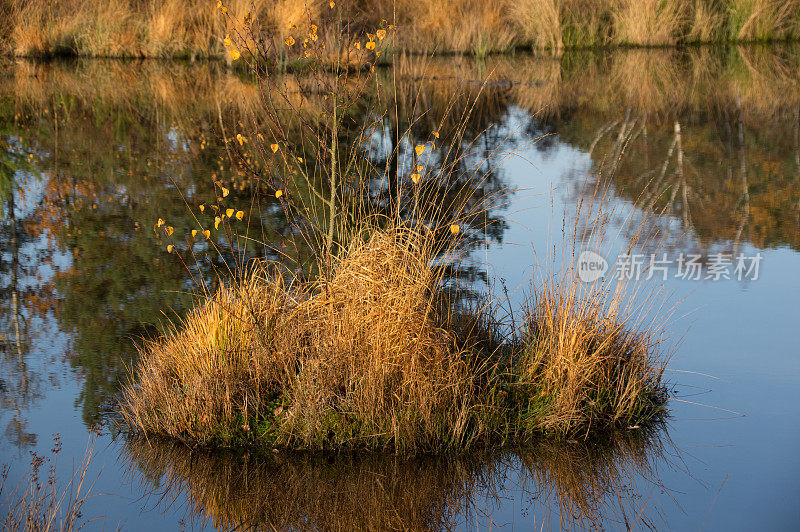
(602, 481)
(288, 491)
(579, 485)
(653, 81)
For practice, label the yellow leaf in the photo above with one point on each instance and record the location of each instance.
(240, 215)
(273, 147)
(225, 192)
(415, 178)
(331, 3)
(160, 222)
(419, 149)
(289, 41)
(435, 134)
(194, 233)
(207, 233)
(358, 46)
(169, 248)
(278, 193)
(227, 40)
(419, 168)
(229, 213)
(202, 208)
(224, 10)
(381, 34)
(235, 54)
(240, 139)
(370, 45)
(313, 28)
(170, 230)
(455, 229)
(217, 220)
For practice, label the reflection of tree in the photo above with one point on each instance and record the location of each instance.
(726, 179)
(14, 335)
(590, 485)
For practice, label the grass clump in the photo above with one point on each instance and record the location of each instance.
(377, 360)
(207, 379)
(585, 366)
(360, 359)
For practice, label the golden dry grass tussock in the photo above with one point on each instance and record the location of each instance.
(358, 359)
(586, 360)
(648, 22)
(207, 378)
(375, 348)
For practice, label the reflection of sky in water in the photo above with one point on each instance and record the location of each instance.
(739, 334)
(735, 351)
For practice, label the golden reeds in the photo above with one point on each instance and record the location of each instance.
(585, 361)
(372, 358)
(195, 28)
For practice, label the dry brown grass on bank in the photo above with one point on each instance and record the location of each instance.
(136, 28)
(649, 22)
(196, 28)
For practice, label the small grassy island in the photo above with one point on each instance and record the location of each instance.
(361, 333)
(380, 356)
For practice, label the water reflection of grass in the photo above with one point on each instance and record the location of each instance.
(581, 485)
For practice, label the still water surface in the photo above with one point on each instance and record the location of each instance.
(92, 153)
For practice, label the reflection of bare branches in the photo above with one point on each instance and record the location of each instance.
(743, 176)
(18, 395)
(588, 484)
